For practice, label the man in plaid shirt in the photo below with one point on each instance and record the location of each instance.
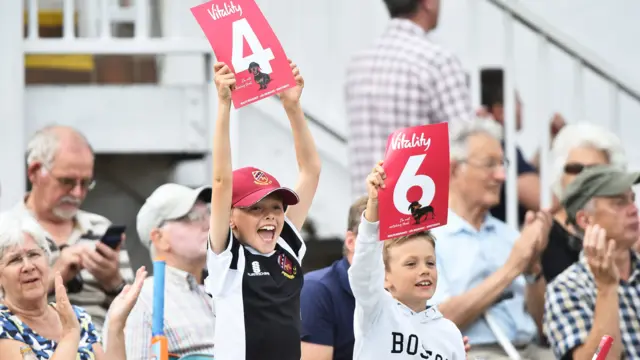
(598, 295)
(404, 80)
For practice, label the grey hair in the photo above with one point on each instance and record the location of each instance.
(44, 144)
(461, 131)
(13, 227)
(583, 135)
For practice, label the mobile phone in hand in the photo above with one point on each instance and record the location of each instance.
(113, 236)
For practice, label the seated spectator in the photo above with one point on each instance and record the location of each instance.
(489, 277)
(598, 295)
(528, 179)
(327, 303)
(60, 168)
(576, 147)
(29, 327)
(173, 225)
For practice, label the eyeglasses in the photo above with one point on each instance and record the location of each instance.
(70, 183)
(193, 217)
(489, 165)
(575, 168)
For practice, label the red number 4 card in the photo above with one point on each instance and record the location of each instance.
(416, 196)
(241, 37)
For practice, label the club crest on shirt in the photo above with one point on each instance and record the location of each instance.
(259, 178)
(289, 270)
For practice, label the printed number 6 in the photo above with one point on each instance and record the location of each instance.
(241, 30)
(410, 178)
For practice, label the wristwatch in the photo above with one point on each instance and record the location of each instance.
(532, 278)
(117, 290)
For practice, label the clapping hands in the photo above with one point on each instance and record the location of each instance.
(534, 237)
(599, 253)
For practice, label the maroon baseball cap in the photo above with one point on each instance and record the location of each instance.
(251, 185)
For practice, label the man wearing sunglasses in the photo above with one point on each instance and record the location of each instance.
(60, 170)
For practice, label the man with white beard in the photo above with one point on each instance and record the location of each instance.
(60, 169)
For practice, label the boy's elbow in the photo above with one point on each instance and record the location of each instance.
(221, 181)
(312, 169)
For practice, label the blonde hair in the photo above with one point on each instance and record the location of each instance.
(389, 244)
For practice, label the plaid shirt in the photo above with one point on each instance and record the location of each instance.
(404, 80)
(189, 318)
(570, 303)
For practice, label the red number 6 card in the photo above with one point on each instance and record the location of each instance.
(416, 197)
(241, 37)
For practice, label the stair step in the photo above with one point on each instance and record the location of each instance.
(84, 68)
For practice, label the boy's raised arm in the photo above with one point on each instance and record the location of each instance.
(222, 178)
(366, 274)
(309, 163)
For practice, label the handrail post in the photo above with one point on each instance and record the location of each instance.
(68, 19)
(141, 26)
(472, 39)
(543, 114)
(510, 124)
(33, 25)
(578, 90)
(614, 106)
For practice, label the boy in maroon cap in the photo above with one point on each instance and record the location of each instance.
(255, 249)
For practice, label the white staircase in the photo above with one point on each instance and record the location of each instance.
(174, 116)
(585, 63)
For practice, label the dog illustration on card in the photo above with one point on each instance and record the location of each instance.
(261, 78)
(418, 212)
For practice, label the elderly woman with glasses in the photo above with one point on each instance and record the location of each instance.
(30, 328)
(576, 147)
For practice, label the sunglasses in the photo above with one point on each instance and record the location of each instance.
(575, 168)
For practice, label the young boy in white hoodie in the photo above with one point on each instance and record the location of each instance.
(392, 281)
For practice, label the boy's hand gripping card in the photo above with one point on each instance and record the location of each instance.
(241, 37)
(416, 197)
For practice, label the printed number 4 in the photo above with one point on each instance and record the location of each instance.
(410, 178)
(241, 30)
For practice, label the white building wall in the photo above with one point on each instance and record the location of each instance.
(321, 36)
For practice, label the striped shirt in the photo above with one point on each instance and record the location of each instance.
(257, 298)
(403, 80)
(88, 229)
(189, 318)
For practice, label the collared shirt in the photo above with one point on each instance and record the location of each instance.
(88, 229)
(403, 80)
(570, 303)
(327, 305)
(257, 298)
(189, 318)
(465, 257)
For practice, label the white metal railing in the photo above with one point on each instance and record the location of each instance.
(583, 59)
(97, 18)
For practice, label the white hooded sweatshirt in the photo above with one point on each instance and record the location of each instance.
(385, 328)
